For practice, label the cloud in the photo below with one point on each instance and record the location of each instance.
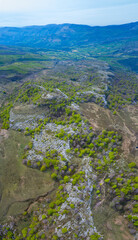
(25, 5)
(57, 5)
(90, 16)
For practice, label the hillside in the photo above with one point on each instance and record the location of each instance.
(68, 133)
(66, 36)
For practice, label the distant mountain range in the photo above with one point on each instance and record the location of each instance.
(65, 36)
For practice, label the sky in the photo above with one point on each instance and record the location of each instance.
(20, 13)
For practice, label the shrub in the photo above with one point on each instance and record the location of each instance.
(38, 164)
(94, 186)
(29, 163)
(25, 213)
(111, 155)
(43, 236)
(74, 181)
(132, 165)
(64, 230)
(136, 197)
(55, 237)
(59, 201)
(135, 210)
(52, 205)
(129, 217)
(104, 132)
(66, 179)
(64, 168)
(135, 218)
(24, 232)
(54, 176)
(76, 150)
(95, 236)
(10, 235)
(136, 224)
(72, 205)
(91, 153)
(68, 111)
(60, 187)
(120, 179)
(107, 180)
(91, 145)
(126, 189)
(43, 168)
(68, 151)
(50, 211)
(30, 145)
(135, 185)
(65, 212)
(136, 179)
(43, 216)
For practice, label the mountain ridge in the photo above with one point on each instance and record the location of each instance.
(65, 36)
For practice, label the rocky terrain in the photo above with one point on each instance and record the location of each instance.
(68, 154)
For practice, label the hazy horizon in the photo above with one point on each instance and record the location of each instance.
(35, 25)
(89, 12)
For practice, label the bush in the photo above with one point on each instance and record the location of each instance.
(91, 153)
(50, 211)
(95, 236)
(30, 145)
(43, 168)
(66, 179)
(72, 205)
(64, 230)
(43, 216)
(132, 165)
(91, 145)
(38, 164)
(55, 237)
(136, 224)
(10, 235)
(25, 213)
(52, 205)
(60, 187)
(135, 218)
(54, 176)
(76, 150)
(24, 232)
(121, 179)
(107, 180)
(136, 179)
(136, 197)
(135, 210)
(129, 217)
(111, 155)
(29, 163)
(43, 236)
(68, 151)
